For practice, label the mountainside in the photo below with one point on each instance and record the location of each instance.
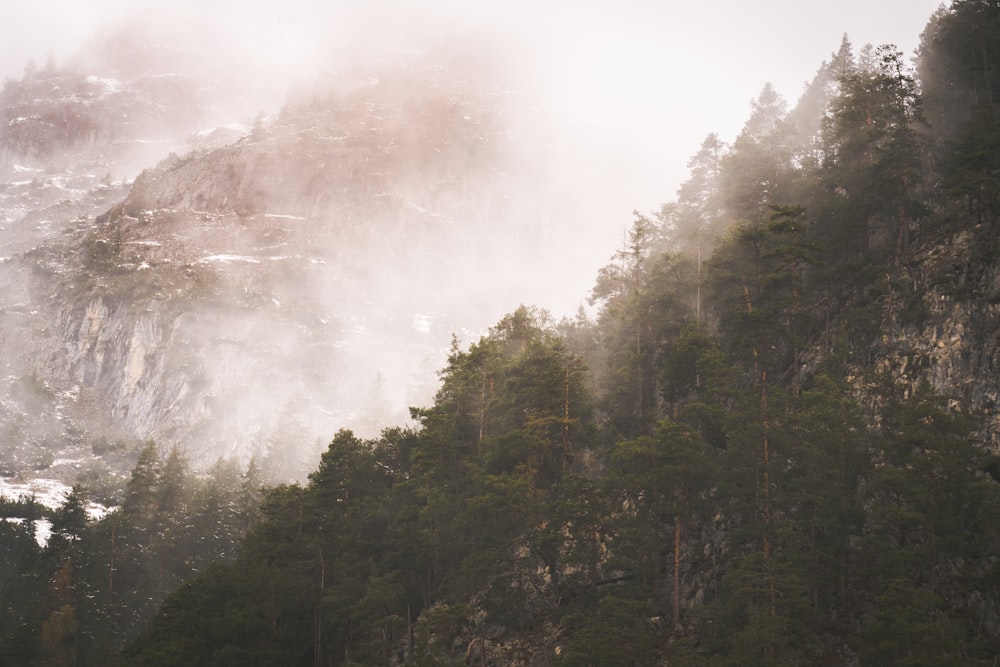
(774, 443)
(238, 299)
(68, 140)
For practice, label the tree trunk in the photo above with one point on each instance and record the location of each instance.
(111, 566)
(482, 408)
(565, 424)
(677, 571)
(766, 493)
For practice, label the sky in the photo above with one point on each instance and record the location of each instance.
(630, 87)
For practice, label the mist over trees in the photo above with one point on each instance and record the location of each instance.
(774, 443)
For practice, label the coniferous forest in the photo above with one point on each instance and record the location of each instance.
(743, 454)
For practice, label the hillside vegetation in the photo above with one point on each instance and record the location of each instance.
(776, 443)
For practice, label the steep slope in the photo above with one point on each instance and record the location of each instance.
(234, 302)
(70, 140)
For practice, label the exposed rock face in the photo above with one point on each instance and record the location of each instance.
(943, 326)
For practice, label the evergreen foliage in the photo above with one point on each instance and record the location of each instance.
(80, 597)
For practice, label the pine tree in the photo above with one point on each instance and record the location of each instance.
(664, 478)
(698, 218)
(756, 168)
(69, 523)
(874, 154)
(59, 630)
(644, 298)
(961, 87)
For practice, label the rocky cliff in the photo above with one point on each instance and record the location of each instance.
(939, 323)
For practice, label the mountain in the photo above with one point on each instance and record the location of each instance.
(774, 441)
(776, 444)
(256, 289)
(68, 140)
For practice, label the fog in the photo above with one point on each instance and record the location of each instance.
(597, 108)
(630, 88)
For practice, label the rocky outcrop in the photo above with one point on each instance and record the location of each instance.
(941, 325)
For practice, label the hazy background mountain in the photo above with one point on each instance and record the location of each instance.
(262, 271)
